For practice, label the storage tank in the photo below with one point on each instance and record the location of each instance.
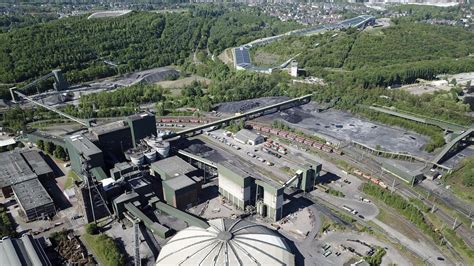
(160, 146)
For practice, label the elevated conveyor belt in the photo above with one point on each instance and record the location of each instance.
(155, 228)
(248, 115)
(439, 158)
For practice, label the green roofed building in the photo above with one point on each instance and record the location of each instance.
(82, 150)
(181, 192)
(172, 167)
(400, 171)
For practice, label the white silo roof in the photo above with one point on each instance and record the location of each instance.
(226, 242)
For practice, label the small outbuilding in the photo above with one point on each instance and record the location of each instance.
(246, 136)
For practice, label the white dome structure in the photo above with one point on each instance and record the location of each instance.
(226, 242)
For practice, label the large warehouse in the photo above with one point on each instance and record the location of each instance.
(226, 242)
(20, 175)
(22, 251)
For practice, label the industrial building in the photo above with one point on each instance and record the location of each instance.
(243, 190)
(180, 185)
(33, 199)
(114, 138)
(172, 167)
(142, 125)
(82, 151)
(246, 136)
(20, 175)
(266, 196)
(226, 242)
(235, 185)
(182, 191)
(398, 170)
(25, 250)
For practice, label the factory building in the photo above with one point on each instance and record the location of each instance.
(142, 126)
(172, 167)
(82, 151)
(269, 200)
(25, 250)
(182, 191)
(124, 170)
(257, 245)
(400, 171)
(20, 175)
(235, 185)
(246, 136)
(113, 138)
(33, 199)
(180, 185)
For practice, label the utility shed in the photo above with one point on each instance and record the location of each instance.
(22, 251)
(172, 167)
(33, 199)
(400, 171)
(181, 192)
(246, 136)
(235, 184)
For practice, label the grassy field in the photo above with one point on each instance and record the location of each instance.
(175, 85)
(71, 177)
(105, 249)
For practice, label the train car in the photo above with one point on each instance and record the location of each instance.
(317, 145)
(257, 127)
(357, 172)
(375, 180)
(274, 131)
(300, 139)
(283, 134)
(308, 142)
(326, 148)
(291, 136)
(382, 184)
(367, 176)
(265, 129)
(194, 120)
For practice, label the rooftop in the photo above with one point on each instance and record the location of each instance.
(179, 182)
(37, 162)
(173, 167)
(84, 145)
(14, 251)
(246, 134)
(109, 127)
(228, 165)
(14, 169)
(226, 242)
(31, 194)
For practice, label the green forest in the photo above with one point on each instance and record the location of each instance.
(380, 57)
(140, 40)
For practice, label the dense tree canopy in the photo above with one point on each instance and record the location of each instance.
(140, 40)
(395, 55)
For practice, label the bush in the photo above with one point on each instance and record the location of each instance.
(6, 226)
(105, 248)
(92, 229)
